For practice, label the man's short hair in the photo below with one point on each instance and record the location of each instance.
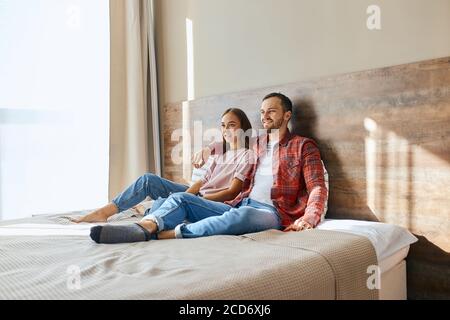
(286, 103)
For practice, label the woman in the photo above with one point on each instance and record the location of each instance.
(222, 182)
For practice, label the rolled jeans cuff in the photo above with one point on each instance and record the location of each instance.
(159, 222)
(178, 234)
(119, 209)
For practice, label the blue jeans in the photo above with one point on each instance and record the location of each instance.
(208, 218)
(156, 204)
(147, 185)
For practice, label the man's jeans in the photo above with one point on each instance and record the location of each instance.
(206, 217)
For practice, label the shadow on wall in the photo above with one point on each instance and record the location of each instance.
(342, 194)
(425, 259)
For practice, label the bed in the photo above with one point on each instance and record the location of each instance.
(49, 257)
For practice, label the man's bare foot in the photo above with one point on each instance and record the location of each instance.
(99, 215)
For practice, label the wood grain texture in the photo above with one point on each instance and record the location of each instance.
(384, 136)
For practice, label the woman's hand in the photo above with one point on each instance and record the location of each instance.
(199, 158)
(195, 188)
(298, 225)
(228, 194)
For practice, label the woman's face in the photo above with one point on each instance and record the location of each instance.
(230, 126)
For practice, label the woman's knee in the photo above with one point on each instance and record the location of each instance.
(149, 176)
(181, 197)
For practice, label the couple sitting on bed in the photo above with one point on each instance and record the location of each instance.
(276, 183)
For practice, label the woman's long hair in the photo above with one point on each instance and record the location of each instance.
(245, 126)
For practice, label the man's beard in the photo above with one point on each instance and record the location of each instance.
(276, 126)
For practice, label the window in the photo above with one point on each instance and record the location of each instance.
(54, 106)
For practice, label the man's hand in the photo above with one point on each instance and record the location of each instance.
(298, 225)
(199, 158)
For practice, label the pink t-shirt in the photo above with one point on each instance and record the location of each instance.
(224, 168)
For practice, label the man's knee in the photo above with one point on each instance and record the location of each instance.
(241, 216)
(253, 220)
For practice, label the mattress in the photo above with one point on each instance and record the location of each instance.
(39, 254)
(45, 229)
(393, 283)
(393, 260)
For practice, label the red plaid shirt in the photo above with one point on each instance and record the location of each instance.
(299, 189)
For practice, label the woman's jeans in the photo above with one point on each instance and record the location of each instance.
(147, 185)
(206, 217)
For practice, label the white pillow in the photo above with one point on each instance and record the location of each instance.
(386, 238)
(327, 184)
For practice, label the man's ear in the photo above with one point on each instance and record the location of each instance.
(288, 115)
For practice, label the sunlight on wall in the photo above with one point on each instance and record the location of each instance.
(190, 58)
(187, 166)
(388, 172)
(187, 150)
(405, 183)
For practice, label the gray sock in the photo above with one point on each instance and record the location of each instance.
(120, 234)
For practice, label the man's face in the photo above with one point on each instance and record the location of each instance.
(273, 115)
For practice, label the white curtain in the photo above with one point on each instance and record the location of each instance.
(134, 129)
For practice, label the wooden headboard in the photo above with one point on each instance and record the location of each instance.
(384, 136)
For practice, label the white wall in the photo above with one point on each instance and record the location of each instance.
(245, 44)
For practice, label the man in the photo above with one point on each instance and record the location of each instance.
(284, 190)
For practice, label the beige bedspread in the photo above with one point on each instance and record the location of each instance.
(270, 265)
